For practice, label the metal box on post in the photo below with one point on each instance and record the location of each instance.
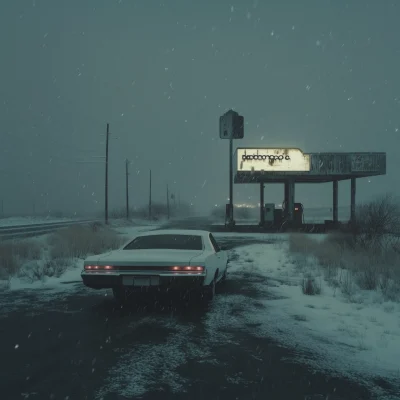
(231, 125)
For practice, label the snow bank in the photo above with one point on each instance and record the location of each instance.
(353, 338)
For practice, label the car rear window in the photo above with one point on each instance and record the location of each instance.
(173, 242)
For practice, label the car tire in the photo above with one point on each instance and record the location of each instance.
(224, 276)
(119, 294)
(209, 291)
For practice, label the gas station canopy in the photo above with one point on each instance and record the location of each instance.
(280, 165)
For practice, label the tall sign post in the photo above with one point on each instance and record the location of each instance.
(150, 216)
(167, 202)
(231, 126)
(127, 187)
(106, 182)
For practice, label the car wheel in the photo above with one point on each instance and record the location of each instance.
(223, 278)
(209, 292)
(119, 294)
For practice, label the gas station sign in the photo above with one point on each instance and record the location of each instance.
(272, 159)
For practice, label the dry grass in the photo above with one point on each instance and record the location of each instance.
(350, 267)
(310, 286)
(78, 241)
(14, 253)
(27, 258)
(37, 271)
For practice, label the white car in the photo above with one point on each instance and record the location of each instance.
(160, 260)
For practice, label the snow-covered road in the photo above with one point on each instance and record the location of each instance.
(260, 333)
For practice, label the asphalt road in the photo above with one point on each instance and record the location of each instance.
(79, 345)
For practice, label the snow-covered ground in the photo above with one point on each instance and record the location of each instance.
(358, 339)
(361, 337)
(14, 221)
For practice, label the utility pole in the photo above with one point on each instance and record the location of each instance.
(106, 183)
(34, 208)
(150, 198)
(167, 202)
(127, 187)
(2, 208)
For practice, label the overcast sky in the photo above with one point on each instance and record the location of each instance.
(316, 74)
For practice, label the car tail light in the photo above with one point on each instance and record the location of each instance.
(187, 268)
(98, 267)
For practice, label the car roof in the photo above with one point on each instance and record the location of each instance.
(175, 232)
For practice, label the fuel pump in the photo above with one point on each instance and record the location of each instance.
(298, 216)
(298, 213)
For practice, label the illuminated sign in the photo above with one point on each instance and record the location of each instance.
(272, 160)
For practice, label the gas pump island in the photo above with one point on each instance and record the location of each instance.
(289, 166)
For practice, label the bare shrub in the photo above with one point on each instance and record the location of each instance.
(366, 254)
(8, 261)
(331, 274)
(78, 241)
(39, 270)
(347, 285)
(390, 289)
(327, 253)
(14, 253)
(365, 269)
(368, 277)
(376, 221)
(27, 250)
(396, 247)
(343, 240)
(310, 287)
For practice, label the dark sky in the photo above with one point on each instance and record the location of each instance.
(316, 74)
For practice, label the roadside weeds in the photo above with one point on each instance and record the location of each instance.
(34, 259)
(349, 269)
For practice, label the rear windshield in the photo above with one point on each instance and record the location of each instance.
(173, 242)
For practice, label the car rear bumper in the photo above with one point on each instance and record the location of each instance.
(134, 281)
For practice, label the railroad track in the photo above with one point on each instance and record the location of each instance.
(30, 230)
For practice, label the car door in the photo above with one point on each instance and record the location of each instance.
(221, 256)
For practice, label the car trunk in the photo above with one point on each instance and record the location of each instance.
(153, 257)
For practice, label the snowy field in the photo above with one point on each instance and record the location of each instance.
(14, 221)
(358, 339)
(361, 337)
